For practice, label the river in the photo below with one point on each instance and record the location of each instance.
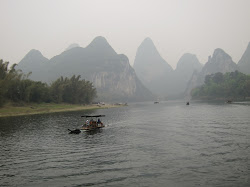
(143, 144)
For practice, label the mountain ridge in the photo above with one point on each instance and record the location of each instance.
(111, 73)
(244, 62)
(99, 63)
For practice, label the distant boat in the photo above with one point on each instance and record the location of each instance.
(156, 102)
(229, 101)
(187, 103)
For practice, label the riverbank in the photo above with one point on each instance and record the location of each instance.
(31, 109)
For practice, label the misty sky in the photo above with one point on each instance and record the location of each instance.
(175, 26)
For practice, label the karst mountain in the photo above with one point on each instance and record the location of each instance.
(111, 73)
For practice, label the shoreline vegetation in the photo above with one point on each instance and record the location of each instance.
(10, 110)
(230, 86)
(16, 87)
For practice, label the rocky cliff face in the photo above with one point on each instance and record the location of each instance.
(111, 73)
(123, 83)
(219, 62)
(244, 63)
(154, 72)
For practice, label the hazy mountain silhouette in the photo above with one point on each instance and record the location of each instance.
(157, 75)
(110, 72)
(244, 62)
(72, 46)
(185, 68)
(154, 72)
(34, 62)
(101, 47)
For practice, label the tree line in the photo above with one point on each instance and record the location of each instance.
(18, 88)
(233, 85)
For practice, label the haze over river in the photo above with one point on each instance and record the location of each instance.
(144, 144)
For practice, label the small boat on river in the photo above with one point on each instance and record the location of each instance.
(92, 122)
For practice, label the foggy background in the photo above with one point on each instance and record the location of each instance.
(175, 26)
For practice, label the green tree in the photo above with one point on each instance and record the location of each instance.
(72, 90)
(17, 87)
(230, 85)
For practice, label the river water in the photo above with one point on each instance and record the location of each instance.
(143, 144)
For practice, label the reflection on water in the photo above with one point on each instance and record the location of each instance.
(168, 144)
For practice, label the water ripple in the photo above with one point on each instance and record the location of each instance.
(168, 144)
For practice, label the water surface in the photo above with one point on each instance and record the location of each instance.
(144, 144)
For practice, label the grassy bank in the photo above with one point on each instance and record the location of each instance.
(29, 109)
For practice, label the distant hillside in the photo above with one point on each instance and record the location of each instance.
(154, 72)
(34, 62)
(219, 62)
(185, 68)
(244, 63)
(111, 73)
(158, 76)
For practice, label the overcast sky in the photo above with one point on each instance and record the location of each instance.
(175, 26)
